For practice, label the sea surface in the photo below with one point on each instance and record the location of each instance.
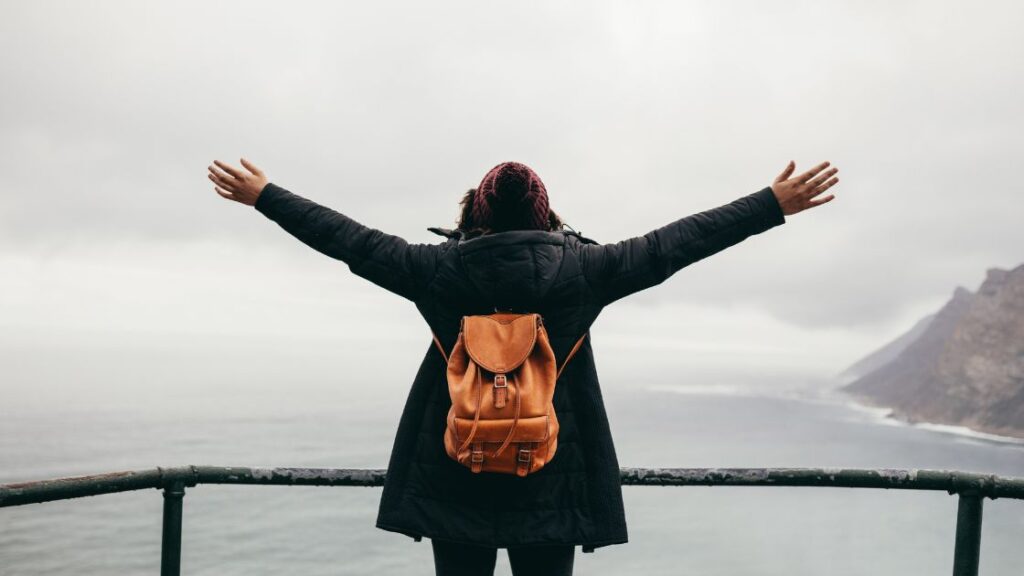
(672, 530)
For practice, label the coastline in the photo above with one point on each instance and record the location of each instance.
(892, 416)
(881, 414)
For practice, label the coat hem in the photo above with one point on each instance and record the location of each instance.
(586, 545)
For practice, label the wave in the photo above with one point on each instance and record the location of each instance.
(883, 415)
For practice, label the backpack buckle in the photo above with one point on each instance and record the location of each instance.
(524, 455)
(500, 381)
(477, 455)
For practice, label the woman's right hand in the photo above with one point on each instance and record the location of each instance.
(797, 194)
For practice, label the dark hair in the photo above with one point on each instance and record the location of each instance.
(470, 229)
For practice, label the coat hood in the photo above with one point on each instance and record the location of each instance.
(514, 268)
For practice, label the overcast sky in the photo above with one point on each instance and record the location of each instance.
(633, 113)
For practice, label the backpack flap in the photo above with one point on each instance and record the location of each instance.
(499, 343)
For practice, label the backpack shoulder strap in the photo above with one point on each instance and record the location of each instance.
(439, 347)
(572, 353)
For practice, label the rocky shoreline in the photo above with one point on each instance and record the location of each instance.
(962, 366)
(892, 414)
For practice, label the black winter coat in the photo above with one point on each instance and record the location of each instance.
(577, 497)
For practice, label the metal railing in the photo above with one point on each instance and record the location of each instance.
(972, 489)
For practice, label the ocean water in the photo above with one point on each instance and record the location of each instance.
(320, 531)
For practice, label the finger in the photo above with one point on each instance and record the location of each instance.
(230, 169)
(824, 187)
(221, 174)
(820, 201)
(225, 194)
(810, 173)
(252, 167)
(786, 172)
(228, 184)
(817, 181)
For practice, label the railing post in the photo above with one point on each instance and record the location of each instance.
(170, 548)
(967, 553)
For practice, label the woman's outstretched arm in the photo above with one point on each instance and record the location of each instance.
(623, 268)
(384, 259)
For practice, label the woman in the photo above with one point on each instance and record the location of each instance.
(510, 251)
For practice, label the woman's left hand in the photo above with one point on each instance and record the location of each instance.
(237, 185)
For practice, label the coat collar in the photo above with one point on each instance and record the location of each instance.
(510, 237)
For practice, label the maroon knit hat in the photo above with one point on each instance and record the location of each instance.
(511, 196)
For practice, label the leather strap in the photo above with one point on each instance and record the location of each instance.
(572, 353)
(500, 390)
(515, 422)
(524, 455)
(476, 416)
(439, 347)
(476, 457)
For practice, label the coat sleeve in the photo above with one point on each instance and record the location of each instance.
(620, 269)
(384, 259)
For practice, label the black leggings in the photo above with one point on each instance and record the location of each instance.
(454, 559)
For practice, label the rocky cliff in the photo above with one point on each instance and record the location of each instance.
(964, 366)
(887, 353)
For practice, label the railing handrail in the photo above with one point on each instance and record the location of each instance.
(972, 488)
(950, 481)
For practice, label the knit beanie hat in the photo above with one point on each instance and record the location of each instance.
(511, 196)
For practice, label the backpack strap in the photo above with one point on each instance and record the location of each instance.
(515, 422)
(439, 347)
(476, 422)
(572, 353)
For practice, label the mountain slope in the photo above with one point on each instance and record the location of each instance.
(966, 367)
(889, 352)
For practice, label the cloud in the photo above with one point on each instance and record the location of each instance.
(633, 115)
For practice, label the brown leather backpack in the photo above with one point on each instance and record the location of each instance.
(501, 379)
